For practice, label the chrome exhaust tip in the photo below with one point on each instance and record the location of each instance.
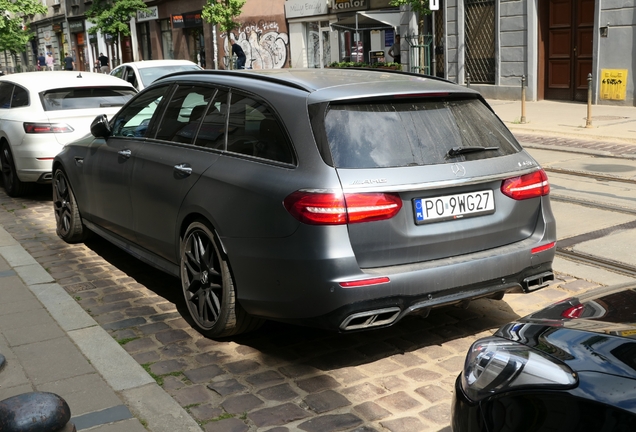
(536, 282)
(368, 319)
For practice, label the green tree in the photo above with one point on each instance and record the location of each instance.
(223, 12)
(112, 17)
(421, 8)
(14, 24)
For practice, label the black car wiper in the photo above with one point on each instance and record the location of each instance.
(455, 151)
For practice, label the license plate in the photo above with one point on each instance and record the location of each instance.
(451, 207)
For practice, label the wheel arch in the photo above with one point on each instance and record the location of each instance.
(200, 217)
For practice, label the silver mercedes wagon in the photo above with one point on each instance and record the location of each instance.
(343, 199)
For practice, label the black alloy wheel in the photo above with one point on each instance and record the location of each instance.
(208, 286)
(68, 221)
(12, 184)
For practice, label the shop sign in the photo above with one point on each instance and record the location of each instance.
(299, 8)
(344, 5)
(150, 15)
(187, 20)
(76, 26)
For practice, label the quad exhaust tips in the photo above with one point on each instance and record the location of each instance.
(368, 319)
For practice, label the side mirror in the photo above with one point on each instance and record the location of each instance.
(100, 128)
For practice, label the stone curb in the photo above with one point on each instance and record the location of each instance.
(120, 371)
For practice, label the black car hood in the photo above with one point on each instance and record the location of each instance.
(595, 332)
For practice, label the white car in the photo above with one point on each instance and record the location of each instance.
(42, 111)
(143, 73)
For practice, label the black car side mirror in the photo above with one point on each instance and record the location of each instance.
(100, 128)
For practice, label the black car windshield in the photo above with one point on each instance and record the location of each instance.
(85, 97)
(150, 74)
(414, 133)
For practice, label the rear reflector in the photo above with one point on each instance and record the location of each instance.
(324, 208)
(527, 186)
(543, 248)
(365, 282)
(35, 128)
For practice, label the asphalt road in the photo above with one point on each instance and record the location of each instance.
(283, 377)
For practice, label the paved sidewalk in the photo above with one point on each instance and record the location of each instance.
(568, 119)
(51, 344)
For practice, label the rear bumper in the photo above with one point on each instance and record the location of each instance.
(288, 280)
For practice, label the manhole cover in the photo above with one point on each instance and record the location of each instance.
(81, 286)
(606, 118)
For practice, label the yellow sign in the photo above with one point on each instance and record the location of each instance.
(613, 84)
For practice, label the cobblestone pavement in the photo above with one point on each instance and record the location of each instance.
(281, 377)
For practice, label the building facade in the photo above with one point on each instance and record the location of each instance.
(169, 32)
(554, 44)
(323, 32)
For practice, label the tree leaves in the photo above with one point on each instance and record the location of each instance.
(113, 17)
(14, 30)
(222, 12)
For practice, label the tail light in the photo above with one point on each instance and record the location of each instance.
(527, 186)
(573, 312)
(35, 128)
(325, 208)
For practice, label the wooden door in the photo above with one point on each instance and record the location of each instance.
(567, 39)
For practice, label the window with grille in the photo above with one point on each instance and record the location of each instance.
(480, 41)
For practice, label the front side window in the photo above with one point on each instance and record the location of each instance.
(254, 130)
(183, 114)
(119, 72)
(133, 121)
(85, 98)
(401, 134)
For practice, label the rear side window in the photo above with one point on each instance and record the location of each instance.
(399, 134)
(85, 98)
(254, 130)
(20, 97)
(6, 90)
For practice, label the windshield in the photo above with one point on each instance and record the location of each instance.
(150, 74)
(85, 97)
(398, 134)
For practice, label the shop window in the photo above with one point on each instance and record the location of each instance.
(166, 39)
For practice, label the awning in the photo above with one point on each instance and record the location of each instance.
(370, 20)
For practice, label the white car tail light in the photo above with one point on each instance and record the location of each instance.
(35, 128)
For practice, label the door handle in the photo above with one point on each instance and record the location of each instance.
(125, 153)
(183, 169)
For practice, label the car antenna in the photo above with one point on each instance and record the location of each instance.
(80, 75)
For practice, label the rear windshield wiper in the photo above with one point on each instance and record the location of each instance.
(455, 151)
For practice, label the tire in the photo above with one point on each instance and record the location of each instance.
(68, 221)
(12, 184)
(208, 286)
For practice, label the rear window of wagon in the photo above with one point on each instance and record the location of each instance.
(413, 133)
(85, 97)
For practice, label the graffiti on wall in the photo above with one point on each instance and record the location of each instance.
(265, 46)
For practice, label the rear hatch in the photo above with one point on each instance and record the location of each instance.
(71, 111)
(446, 159)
